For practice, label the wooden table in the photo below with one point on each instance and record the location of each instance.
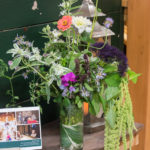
(95, 141)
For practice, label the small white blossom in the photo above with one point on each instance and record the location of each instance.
(62, 13)
(56, 33)
(65, 4)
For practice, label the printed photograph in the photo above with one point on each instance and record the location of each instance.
(28, 132)
(8, 128)
(27, 117)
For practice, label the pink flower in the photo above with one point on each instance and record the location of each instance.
(64, 23)
(68, 77)
(10, 62)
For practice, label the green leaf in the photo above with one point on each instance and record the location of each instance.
(66, 102)
(3, 68)
(71, 135)
(109, 68)
(16, 63)
(111, 117)
(78, 102)
(47, 93)
(88, 87)
(95, 105)
(72, 63)
(16, 97)
(133, 76)
(103, 101)
(113, 79)
(58, 99)
(111, 92)
(99, 10)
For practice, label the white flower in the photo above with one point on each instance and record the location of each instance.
(88, 29)
(65, 4)
(82, 24)
(62, 13)
(56, 33)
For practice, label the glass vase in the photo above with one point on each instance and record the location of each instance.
(71, 128)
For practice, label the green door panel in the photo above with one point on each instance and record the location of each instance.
(19, 13)
(111, 5)
(117, 39)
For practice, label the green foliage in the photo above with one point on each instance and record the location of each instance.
(95, 104)
(3, 68)
(66, 102)
(78, 102)
(15, 63)
(133, 76)
(113, 79)
(111, 92)
(47, 93)
(108, 68)
(72, 63)
(88, 87)
(122, 122)
(110, 116)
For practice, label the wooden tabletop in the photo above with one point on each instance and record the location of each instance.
(95, 141)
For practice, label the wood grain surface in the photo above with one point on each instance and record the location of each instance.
(138, 52)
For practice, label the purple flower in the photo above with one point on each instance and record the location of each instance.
(10, 62)
(62, 87)
(68, 77)
(72, 89)
(25, 75)
(108, 22)
(110, 54)
(100, 74)
(65, 92)
(84, 93)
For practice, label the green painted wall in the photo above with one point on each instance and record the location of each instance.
(17, 17)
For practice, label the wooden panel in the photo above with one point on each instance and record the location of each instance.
(138, 51)
(124, 3)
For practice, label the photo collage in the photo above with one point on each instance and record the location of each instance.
(20, 125)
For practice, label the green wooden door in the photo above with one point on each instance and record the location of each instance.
(18, 17)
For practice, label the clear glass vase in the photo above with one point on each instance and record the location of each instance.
(71, 128)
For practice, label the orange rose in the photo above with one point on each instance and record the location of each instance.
(64, 23)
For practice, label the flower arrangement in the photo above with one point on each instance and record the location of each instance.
(67, 71)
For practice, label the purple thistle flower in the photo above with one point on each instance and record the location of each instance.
(110, 54)
(10, 62)
(72, 89)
